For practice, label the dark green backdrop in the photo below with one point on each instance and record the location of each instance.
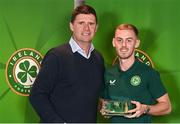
(42, 24)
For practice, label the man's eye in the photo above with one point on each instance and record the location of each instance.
(129, 40)
(119, 40)
(80, 23)
(91, 23)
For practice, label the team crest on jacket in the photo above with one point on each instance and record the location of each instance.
(135, 80)
(22, 69)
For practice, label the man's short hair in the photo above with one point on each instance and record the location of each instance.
(128, 27)
(83, 9)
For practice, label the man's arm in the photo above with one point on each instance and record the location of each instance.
(42, 88)
(162, 107)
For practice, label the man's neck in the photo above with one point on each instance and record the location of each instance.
(125, 64)
(85, 46)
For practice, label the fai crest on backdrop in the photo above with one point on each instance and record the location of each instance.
(22, 69)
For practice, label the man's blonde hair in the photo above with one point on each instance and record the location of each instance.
(128, 27)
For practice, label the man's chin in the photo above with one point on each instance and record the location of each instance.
(124, 57)
(87, 40)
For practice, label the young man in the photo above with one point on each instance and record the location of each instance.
(68, 84)
(134, 80)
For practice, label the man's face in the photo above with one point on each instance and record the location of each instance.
(84, 27)
(125, 42)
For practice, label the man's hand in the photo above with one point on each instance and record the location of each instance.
(102, 109)
(138, 111)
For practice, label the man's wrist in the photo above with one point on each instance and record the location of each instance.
(148, 108)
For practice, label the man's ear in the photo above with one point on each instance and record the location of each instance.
(137, 43)
(71, 26)
(113, 42)
(96, 28)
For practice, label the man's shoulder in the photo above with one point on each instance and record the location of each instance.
(111, 69)
(98, 54)
(61, 50)
(146, 68)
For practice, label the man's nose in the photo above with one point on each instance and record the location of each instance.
(124, 43)
(86, 27)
